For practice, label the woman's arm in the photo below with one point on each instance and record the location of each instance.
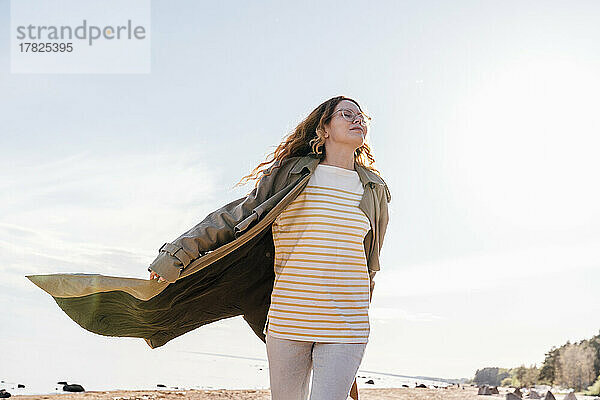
(215, 230)
(371, 277)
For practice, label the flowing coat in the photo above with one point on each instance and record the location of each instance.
(221, 268)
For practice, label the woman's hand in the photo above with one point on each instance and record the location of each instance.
(154, 275)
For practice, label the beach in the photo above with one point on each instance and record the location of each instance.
(451, 393)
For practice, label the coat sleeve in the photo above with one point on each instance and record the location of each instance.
(215, 230)
(383, 222)
(384, 217)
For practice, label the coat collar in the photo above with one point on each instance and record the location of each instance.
(310, 162)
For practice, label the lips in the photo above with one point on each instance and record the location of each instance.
(358, 129)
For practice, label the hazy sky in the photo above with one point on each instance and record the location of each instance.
(485, 128)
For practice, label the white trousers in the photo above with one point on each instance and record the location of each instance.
(333, 365)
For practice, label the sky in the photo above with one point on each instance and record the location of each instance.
(485, 129)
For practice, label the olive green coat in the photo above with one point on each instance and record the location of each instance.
(220, 268)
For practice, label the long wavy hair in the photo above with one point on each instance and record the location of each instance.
(308, 138)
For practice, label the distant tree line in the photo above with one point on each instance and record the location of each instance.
(572, 365)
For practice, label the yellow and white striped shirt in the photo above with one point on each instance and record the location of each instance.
(321, 290)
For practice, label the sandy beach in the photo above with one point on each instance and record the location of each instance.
(451, 393)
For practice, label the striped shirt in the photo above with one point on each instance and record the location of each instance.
(321, 289)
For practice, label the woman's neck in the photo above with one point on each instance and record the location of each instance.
(338, 162)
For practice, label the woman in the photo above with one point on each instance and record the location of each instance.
(240, 260)
(319, 305)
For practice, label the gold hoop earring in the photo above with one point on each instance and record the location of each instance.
(318, 143)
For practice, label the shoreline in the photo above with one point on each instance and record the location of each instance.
(51, 388)
(247, 394)
(449, 393)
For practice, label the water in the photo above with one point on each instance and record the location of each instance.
(215, 372)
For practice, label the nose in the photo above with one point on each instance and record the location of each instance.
(361, 120)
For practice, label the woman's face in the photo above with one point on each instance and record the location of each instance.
(343, 132)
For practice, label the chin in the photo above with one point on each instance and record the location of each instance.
(360, 140)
